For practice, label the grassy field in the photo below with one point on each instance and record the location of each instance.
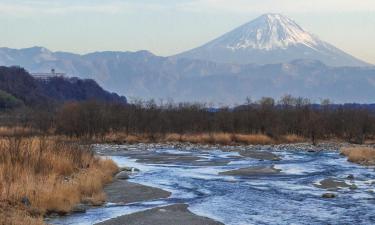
(39, 176)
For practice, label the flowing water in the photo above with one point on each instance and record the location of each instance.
(289, 197)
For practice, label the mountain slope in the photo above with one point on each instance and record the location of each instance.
(271, 38)
(18, 85)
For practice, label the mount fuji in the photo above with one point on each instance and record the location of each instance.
(271, 38)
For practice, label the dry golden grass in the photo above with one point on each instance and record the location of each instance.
(15, 131)
(115, 137)
(12, 215)
(254, 139)
(173, 137)
(292, 138)
(53, 176)
(202, 138)
(131, 139)
(220, 138)
(197, 138)
(360, 155)
(121, 137)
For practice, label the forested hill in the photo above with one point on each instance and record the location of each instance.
(18, 87)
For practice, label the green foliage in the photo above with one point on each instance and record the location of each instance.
(8, 101)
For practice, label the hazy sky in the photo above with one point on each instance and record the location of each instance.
(166, 27)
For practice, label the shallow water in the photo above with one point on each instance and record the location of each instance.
(286, 198)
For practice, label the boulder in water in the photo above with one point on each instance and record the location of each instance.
(334, 184)
(329, 195)
(129, 169)
(123, 175)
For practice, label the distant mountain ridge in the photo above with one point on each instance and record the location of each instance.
(269, 39)
(145, 75)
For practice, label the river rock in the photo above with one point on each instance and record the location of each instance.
(334, 184)
(252, 171)
(25, 200)
(129, 169)
(260, 155)
(350, 176)
(123, 175)
(80, 208)
(329, 195)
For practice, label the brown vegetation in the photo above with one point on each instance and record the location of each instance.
(292, 138)
(200, 138)
(260, 139)
(360, 155)
(15, 131)
(40, 176)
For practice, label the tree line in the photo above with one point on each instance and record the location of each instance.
(289, 115)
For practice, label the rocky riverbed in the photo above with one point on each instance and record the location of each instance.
(234, 185)
(321, 146)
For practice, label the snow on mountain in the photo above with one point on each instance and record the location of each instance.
(268, 32)
(271, 38)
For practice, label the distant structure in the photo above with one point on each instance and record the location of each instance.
(47, 76)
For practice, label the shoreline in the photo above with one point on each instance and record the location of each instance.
(105, 148)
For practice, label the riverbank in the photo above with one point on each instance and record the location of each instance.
(45, 176)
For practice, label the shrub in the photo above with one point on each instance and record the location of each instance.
(253, 139)
(360, 155)
(292, 138)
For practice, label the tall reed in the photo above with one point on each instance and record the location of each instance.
(43, 175)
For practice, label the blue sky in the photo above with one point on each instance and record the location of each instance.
(166, 27)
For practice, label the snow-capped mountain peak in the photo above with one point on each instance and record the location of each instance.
(270, 38)
(270, 31)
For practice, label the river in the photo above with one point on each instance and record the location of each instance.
(291, 196)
